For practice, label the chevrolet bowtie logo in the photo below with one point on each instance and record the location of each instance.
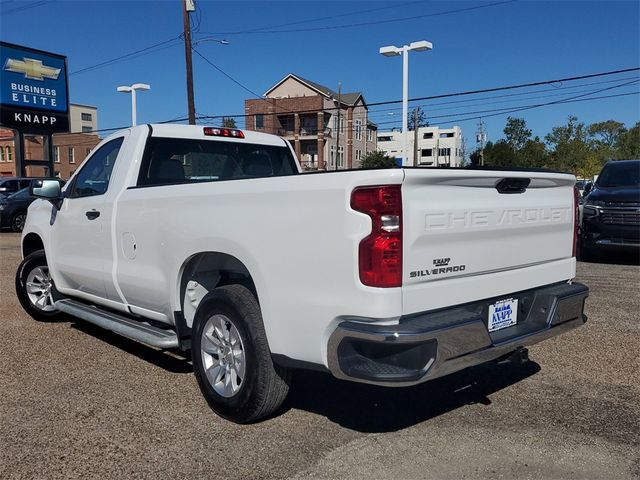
(32, 68)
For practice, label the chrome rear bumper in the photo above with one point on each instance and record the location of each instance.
(433, 344)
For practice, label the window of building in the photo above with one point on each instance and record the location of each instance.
(93, 178)
(427, 152)
(340, 156)
(358, 129)
(427, 135)
(56, 155)
(446, 135)
(8, 154)
(358, 155)
(1, 154)
(86, 129)
(86, 117)
(72, 155)
(444, 152)
(260, 121)
(385, 139)
(56, 173)
(332, 155)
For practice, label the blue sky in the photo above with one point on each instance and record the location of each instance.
(474, 48)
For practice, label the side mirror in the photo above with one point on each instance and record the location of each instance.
(48, 190)
(587, 189)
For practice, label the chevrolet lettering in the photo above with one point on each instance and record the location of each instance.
(499, 218)
(206, 255)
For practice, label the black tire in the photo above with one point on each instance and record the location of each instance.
(31, 262)
(17, 221)
(265, 385)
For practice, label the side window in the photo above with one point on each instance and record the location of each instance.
(94, 175)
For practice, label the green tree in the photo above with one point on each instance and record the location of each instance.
(516, 133)
(569, 144)
(607, 132)
(499, 154)
(534, 154)
(229, 122)
(628, 145)
(378, 159)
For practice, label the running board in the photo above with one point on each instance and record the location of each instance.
(135, 330)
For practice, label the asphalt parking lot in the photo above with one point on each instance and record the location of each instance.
(79, 402)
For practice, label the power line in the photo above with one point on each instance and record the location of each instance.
(131, 55)
(454, 94)
(376, 22)
(509, 95)
(317, 19)
(244, 87)
(458, 94)
(29, 6)
(590, 92)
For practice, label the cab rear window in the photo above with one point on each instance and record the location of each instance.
(173, 161)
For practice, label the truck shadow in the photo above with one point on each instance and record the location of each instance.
(359, 407)
(371, 409)
(174, 361)
(613, 258)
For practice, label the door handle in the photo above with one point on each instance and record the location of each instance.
(92, 214)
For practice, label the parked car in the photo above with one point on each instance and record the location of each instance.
(212, 240)
(611, 211)
(10, 185)
(580, 185)
(13, 209)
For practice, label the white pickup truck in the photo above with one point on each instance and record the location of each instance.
(209, 239)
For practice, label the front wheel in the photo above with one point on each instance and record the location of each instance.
(35, 288)
(231, 357)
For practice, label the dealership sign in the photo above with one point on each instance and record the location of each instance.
(34, 93)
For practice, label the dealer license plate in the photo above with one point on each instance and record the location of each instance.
(503, 314)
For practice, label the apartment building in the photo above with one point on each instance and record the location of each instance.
(329, 131)
(82, 118)
(437, 147)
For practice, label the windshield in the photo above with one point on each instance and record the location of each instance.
(620, 174)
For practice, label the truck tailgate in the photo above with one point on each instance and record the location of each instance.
(461, 234)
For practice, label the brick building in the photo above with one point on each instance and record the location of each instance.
(306, 114)
(70, 150)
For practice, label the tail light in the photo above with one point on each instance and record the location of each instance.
(576, 220)
(380, 254)
(223, 132)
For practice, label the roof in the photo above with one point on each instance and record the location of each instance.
(345, 98)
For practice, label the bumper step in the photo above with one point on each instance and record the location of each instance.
(133, 329)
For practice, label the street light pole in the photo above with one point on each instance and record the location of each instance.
(132, 90)
(405, 106)
(393, 51)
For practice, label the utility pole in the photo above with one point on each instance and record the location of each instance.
(415, 136)
(338, 126)
(189, 6)
(481, 138)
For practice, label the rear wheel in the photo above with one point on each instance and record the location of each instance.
(18, 221)
(231, 357)
(35, 288)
